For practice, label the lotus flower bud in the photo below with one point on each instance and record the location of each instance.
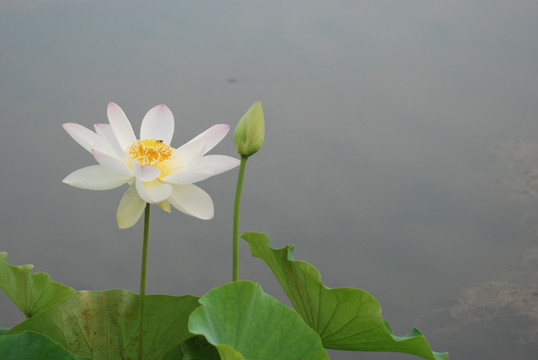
(250, 131)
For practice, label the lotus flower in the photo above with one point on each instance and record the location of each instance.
(156, 172)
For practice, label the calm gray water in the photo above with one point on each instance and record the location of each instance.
(401, 151)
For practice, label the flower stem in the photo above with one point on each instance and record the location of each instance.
(143, 283)
(236, 216)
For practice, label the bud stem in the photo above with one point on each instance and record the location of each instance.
(237, 204)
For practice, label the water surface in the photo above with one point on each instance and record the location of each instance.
(400, 152)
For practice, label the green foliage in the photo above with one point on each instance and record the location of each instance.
(239, 320)
(104, 324)
(31, 345)
(344, 318)
(32, 293)
(244, 322)
(194, 348)
(229, 353)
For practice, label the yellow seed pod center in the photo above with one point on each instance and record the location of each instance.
(150, 152)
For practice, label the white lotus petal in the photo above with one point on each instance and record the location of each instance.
(165, 205)
(85, 137)
(113, 164)
(212, 136)
(184, 177)
(215, 164)
(130, 208)
(153, 191)
(105, 131)
(193, 201)
(104, 145)
(209, 165)
(94, 177)
(158, 124)
(120, 125)
(145, 173)
(190, 153)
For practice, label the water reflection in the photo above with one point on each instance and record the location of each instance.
(510, 303)
(504, 307)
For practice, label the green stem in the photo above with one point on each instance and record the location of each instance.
(236, 215)
(143, 283)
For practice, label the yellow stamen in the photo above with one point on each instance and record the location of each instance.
(150, 152)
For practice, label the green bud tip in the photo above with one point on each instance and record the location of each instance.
(250, 131)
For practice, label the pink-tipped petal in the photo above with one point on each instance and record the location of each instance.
(158, 124)
(212, 136)
(193, 201)
(130, 208)
(154, 191)
(94, 177)
(85, 137)
(120, 126)
(113, 164)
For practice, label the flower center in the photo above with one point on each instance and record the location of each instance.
(150, 152)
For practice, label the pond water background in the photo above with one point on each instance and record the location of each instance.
(401, 152)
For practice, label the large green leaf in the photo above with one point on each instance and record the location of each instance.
(32, 293)
(104, 324)
(243, 322)
(31, 345)
(227, 352)
(344, 318)
(194, 348)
